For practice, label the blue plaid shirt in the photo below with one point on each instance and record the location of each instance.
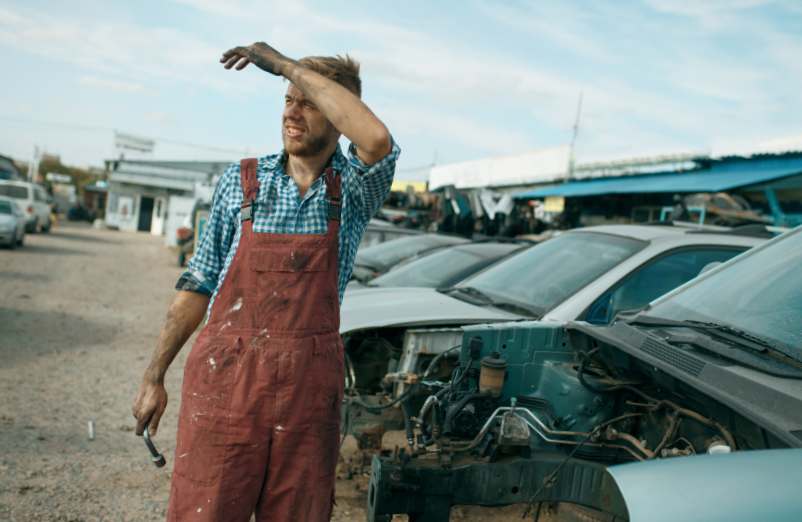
(281, 210)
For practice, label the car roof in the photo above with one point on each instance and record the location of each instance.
(18, 182)
(488, 248)
(678, 233)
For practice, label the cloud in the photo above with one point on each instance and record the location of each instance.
(114, 85)
(116, 48)
(704, 8)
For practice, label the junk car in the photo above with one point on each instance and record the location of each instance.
(690, 409)
(445, 266)
(375, 260)
(392, 334)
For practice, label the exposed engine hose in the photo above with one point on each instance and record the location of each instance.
(357, 398)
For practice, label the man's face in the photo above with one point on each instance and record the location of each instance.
(304, 129)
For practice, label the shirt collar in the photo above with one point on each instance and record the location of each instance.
(337, 161)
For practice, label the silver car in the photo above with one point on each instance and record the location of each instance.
(12, 223)
(588, 274)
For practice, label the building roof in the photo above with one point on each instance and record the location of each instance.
(539, 166)
(720, 176)
(181, 175)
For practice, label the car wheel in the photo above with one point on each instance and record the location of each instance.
(21, 239)
(12, 244)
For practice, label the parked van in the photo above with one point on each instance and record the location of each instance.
(33, 201)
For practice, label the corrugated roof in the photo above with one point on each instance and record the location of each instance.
(719, 177)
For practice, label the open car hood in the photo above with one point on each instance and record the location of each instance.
(744, 486)
(364, 309)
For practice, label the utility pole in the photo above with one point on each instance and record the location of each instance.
(33, 166)
(573, 137)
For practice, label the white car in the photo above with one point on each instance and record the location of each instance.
(12, 223)
(589, 274)
(33, 201)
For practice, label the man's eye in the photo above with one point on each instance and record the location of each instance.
(308, 105)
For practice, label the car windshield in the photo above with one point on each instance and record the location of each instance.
(387, 254)
(760, 293)
(14, 191)
(5, 207)
(545, 275)
(442, 267)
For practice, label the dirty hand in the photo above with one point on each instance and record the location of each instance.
(260, 54)
(149, 406)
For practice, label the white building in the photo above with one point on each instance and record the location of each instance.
(145, 194)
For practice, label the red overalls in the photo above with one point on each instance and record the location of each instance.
(258, 428)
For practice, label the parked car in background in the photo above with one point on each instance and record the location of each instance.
(590, 274)
(447, 266)
(379, 231)
(375, 260)
(34, 202)
(12, 223)
(690, 409)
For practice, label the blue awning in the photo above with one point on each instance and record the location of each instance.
(720, 177)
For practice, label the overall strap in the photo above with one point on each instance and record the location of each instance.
(250, 186)
(333, 193)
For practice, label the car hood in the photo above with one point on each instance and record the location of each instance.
(378, 307)
(7, 219)
(744, 486)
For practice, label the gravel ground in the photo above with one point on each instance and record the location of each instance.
(80, 311)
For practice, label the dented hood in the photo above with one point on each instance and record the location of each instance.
(404, 307)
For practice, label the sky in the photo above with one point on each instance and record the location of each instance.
(452, 80)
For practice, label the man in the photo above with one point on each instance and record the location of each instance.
(258, 427)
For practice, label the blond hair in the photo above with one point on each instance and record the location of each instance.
(342, 69)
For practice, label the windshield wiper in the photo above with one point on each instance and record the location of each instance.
(484, 299)
(750, 341)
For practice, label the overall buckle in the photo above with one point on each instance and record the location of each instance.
(246, 211)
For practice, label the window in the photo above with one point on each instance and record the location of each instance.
(14, 191)
(655, 279)
(547, 274)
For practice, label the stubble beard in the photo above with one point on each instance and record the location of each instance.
(309, 146)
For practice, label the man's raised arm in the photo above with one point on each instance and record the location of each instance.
(341, 107)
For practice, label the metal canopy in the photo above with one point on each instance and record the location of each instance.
(726, 175)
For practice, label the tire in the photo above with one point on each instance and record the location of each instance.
(12, 244)
(21, 239)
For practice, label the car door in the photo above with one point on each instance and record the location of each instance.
(654, 279)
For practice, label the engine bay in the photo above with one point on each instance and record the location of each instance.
(531, 397)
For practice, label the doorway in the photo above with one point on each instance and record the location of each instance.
(145, 214)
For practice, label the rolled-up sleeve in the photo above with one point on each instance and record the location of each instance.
(367, 186)
(203, 270)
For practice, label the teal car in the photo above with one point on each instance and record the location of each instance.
(690, 409)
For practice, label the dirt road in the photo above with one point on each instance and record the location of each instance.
(80, 311)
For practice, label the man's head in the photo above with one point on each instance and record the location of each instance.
(304, 129)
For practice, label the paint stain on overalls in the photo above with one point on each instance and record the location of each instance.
(258, 427)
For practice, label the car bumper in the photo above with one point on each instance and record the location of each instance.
(427, 489)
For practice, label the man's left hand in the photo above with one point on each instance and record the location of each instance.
(259, 54)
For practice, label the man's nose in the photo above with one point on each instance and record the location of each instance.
(292, 110)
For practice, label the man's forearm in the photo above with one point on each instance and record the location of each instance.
(183, 317)
(344, 110)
